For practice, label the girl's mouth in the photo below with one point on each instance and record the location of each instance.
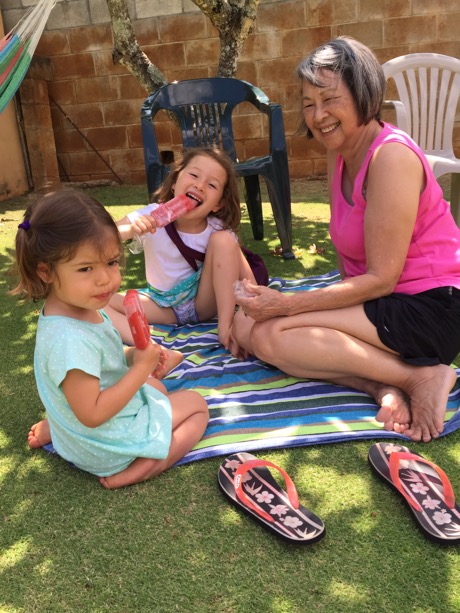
(103, 297)
(194, 197)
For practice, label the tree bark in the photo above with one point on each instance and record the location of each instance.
(126, 49)
(234, 20)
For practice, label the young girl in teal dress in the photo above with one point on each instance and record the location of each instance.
(104, 413)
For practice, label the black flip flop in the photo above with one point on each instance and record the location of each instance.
(425, 489)
(248, 484)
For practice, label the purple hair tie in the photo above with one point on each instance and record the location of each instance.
(25, 225)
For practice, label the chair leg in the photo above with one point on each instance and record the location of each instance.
(279, 190)
(455, 197)
(254, 204)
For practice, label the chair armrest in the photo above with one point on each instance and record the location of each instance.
(276, 126)
(402, 120)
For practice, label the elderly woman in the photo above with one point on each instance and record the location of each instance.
(391, 326)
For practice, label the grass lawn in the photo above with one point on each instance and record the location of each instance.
(174, 543)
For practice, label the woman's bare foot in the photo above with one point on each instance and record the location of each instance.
(429, 388)
(39, 434)
(169, 359)
(394, 410)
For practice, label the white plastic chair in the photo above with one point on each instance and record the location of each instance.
(428, 86)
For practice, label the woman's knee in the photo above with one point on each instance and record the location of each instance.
(264, 337)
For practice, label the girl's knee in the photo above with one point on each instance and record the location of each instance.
(222, 240)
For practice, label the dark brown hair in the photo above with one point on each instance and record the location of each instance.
(54, 226)
(230, 211)
(356, 65)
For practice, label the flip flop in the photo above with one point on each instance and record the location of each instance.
(425, 489)
(248, 484)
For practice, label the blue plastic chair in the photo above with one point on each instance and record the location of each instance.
(204, 109)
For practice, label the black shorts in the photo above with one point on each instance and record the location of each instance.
(424, 329)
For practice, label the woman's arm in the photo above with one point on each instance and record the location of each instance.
(395, 181)
(93, 406)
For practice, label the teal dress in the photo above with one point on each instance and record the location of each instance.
(141, 429)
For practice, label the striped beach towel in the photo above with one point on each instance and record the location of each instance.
(255, 406)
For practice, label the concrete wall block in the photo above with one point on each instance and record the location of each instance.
(370, 32)
(96, 89)
(79, 65)
(448, 26)
(280, 16)
(431, 7)
(397, 8)
(84, 115)
(64, 91)
(99, 13)
(261, 46)
(189, 7)
(415, 29)
(92, 38)
(104, 64)
(72, 13)
(201, 52)
(345, 11)
(319, 12)
(53, 43)
(108, 138)
(173, 28)
(154, 8)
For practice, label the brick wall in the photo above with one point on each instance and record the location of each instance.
(96, 116)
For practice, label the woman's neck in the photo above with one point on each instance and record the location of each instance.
(354, 156)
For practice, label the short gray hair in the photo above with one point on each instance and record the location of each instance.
(357, 66)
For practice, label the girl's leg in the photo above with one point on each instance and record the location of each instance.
(154, 313)
(342, 346)
(189, 419)
(222, 267)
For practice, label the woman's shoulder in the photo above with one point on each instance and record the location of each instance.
(392, 134)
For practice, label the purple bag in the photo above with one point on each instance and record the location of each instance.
(192, 255)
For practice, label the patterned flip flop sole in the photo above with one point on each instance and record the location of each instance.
(265, 501)
(425, 489)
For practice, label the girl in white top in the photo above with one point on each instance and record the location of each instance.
(177, 293)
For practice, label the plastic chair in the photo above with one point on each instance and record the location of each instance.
(428, 86)
(204, 108)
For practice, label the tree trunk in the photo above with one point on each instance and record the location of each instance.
(126, 49)
(234, 20)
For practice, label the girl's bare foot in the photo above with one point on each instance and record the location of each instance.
(39, 434)
(429, 389)
(139, 470)
(169, 359)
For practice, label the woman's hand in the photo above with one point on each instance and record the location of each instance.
(264, 304)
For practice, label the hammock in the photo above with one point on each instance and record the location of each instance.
(17, 48)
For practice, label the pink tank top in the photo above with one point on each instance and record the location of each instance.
(433, 259)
